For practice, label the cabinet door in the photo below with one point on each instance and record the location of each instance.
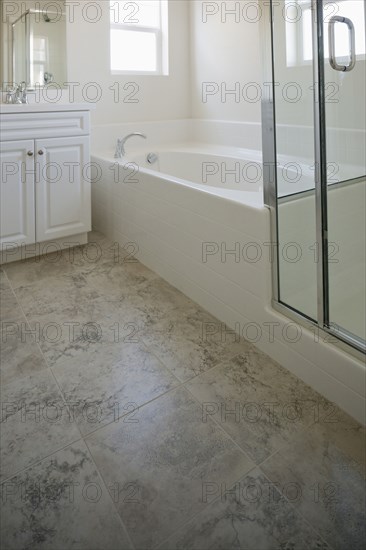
(17, 223)
(62, 192)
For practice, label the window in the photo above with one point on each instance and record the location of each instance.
(139, 37)
(39, 58)
(299, 43)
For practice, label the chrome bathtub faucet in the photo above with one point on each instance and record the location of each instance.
(120, 149)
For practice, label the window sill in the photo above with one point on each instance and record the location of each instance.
(138, 73)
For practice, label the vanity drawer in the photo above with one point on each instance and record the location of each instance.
(43, 125)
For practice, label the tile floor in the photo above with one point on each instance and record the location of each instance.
(127, 425)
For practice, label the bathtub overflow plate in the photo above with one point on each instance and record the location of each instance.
(152, 158)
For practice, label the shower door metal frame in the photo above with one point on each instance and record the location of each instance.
(329, 332)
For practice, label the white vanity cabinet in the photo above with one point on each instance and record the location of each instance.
(17, 210)
(62, 192)
(45, 171)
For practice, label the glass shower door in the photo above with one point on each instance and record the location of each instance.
(314, 134)
(345, 115)
(295, 197)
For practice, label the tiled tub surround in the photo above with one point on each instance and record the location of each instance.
(140, 429)
(216, 250)
(347, 147)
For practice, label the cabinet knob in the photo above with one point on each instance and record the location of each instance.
(30, 153)
(40, 152)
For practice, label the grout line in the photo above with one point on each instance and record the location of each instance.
(298, 511)
(215, 500)
(5, 275)
(253, 467)
(115, 421)
(69, 262)
(181, 384)
(23, 312)
(48, 369)
(35, 342)
(110, 497)
(37, 462)
(222, 429)
(305, 426)
(219, 424)
(81, 438)
(211, 503)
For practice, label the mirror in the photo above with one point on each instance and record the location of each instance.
(36, 44)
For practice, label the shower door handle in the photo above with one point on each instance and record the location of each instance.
(352, 44)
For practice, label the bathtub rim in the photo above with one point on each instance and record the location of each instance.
(108, 158)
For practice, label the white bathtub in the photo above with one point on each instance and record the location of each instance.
(209, 236)
(229, 172)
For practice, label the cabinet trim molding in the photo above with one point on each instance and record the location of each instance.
(43, 125)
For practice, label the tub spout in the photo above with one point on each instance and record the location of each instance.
(120, 148)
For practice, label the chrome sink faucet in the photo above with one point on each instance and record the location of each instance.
(11, 95)
(120, 149)
(17, 94)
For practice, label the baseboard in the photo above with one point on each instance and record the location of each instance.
(16, 252)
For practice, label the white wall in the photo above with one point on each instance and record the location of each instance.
(158, 97)
(225, 50)
(221, 48)
(227, 53)
(200, 52)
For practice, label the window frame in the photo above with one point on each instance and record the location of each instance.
(157, 31)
